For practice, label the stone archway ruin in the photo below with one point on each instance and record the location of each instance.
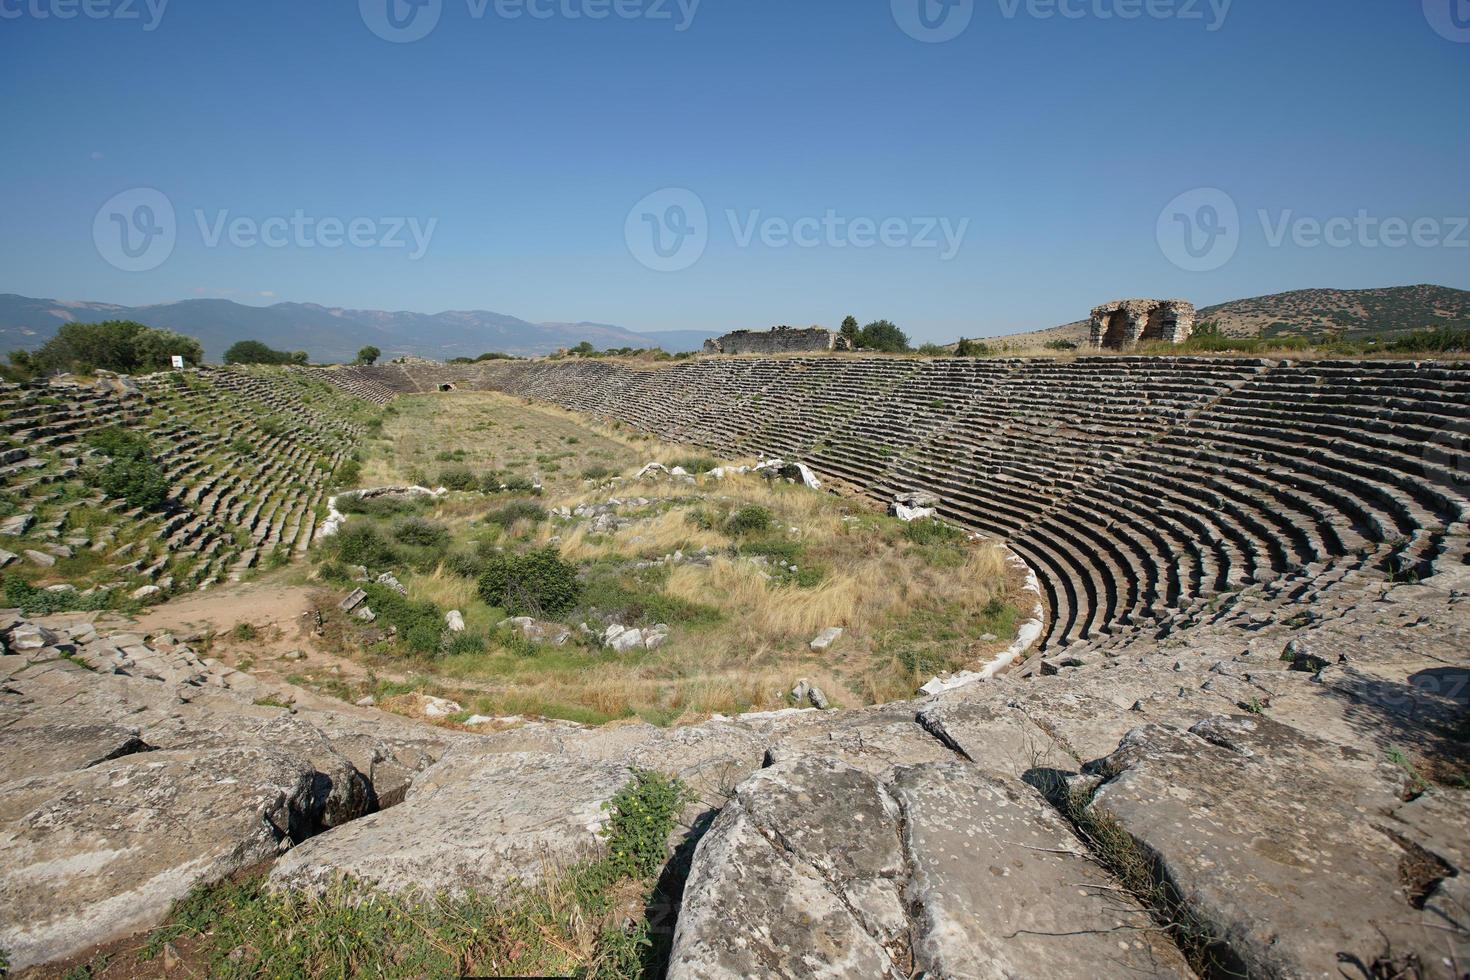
(1123, 324)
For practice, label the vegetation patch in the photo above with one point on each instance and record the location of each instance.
(534, 584)
(589, 920)
(743, 571)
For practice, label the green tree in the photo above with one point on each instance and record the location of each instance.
(850, 329)
(970, 348)
(155, 349)
(254, 352)
(369, 355)
(882, 335)
(124, 346)
(584, 349)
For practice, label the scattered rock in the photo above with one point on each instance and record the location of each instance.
(916, 506)
(439, 707)
(537, 631)
(356, 598)
(825, 639)
(454, 621)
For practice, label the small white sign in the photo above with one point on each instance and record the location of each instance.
(178, 362)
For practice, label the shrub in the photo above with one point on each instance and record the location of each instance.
(753, 519)
(458, 478)
(881, 335)
(361, 544)
(132, 473)
(520, 510)
(465, 564)
(254, 352)
(349, 474)
(638, 599)
(20, 594)
(538, 583)
(930, 531)
(695, 464)
(971, 348)
(420, 624)
(381, 507)
(641, 816)
(420, 532)
(520, 484)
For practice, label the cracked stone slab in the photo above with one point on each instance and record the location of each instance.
(91, 854)
(1273, 839)
(472, 820)
(1002, 888)
(796, 878)
(818, 868)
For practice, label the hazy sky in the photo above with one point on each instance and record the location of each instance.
(957, 166)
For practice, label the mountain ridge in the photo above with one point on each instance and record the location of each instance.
(328, 333)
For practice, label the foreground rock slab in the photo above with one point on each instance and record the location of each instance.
(131, 772)
(817, 868)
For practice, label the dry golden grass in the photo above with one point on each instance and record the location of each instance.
(858, 572)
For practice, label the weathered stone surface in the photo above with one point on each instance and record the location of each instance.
(1272, 838)
(798, 877)
(98, 852)
(123, 785)
(819, 869)
(1004, 889)
(475, 819)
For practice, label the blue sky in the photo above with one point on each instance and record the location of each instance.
(524, 143)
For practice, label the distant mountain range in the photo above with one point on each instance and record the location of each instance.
(1350, 314)
(328, 333)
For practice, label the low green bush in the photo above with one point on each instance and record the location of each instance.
(20, 594)
(131, 472)
(420, 624)
(381, 507)
(420, 532)
(458, 478)
(752, 519)
(931, 531)
(362, 544)
(637, 598)
(520, 510)
(538, 583)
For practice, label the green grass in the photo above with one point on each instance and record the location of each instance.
(588, 921)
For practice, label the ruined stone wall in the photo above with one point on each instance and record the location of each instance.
(1123, 324)
(780, 340)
